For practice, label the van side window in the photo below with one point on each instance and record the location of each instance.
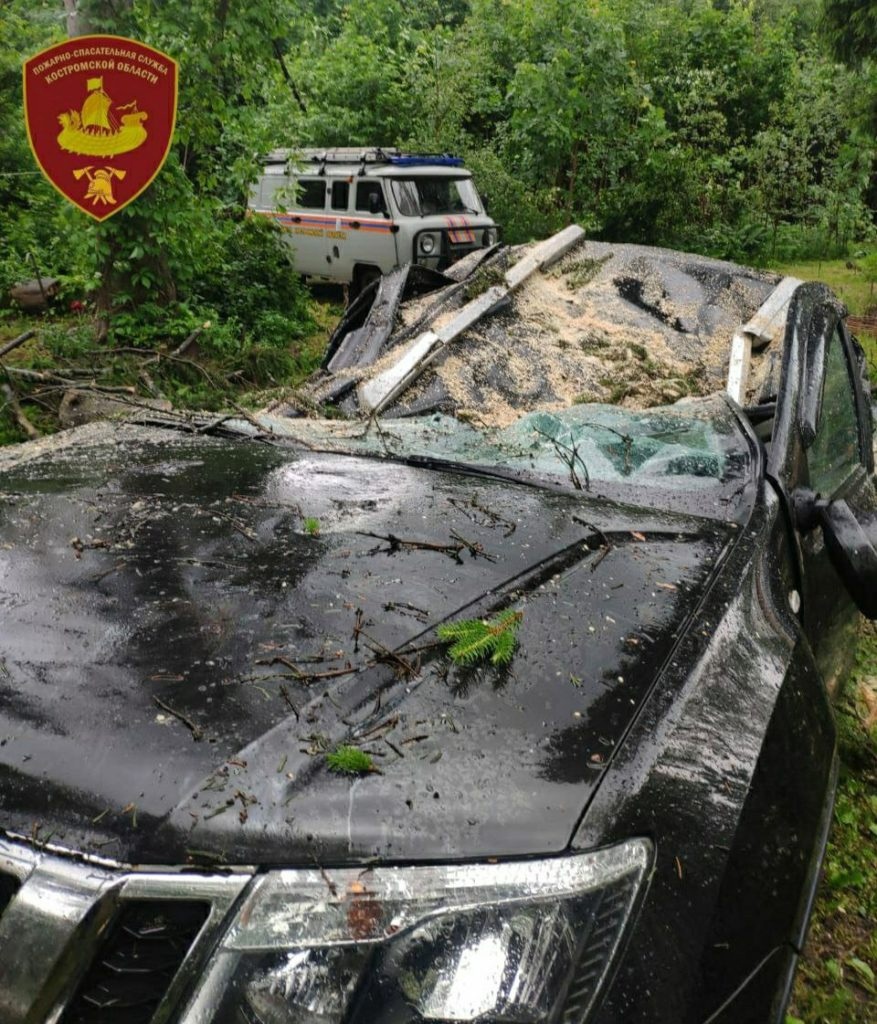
(274, 179)
(311, 194)
(365, 189)
(340, 195)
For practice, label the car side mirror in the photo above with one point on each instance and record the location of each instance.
(851, 540)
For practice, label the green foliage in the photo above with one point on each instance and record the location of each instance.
(836, 978)
(851, 26)
(312, 526)
(250, 280)
(473, 640)
(29, 206)
(685, 125)
(348, 760)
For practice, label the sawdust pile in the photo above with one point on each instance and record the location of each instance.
(621, 324)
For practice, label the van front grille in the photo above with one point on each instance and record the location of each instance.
(134, 967)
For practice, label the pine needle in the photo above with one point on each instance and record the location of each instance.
(347, 760)
(473, 640)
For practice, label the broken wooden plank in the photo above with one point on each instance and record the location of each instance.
(360, 347)
(471, 313)
(738, 369)
(376, 394)
(769, 321)
(545, 253)
(768, 324)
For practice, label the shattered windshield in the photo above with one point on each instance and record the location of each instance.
(667, 456)
(422, 197)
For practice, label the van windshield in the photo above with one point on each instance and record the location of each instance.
(421, 197)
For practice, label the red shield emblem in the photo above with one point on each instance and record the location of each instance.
(100, 114)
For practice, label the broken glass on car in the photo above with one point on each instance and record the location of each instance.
(673, 453)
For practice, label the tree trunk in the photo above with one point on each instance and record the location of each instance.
(72, 10)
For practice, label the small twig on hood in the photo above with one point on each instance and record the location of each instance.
(197, 732)
(309, 677)
(475, 549)
(569, 455)
(396, 544)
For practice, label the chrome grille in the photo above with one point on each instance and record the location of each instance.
(136, 963)
(97, 943)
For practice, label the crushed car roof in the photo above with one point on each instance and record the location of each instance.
(584, 322)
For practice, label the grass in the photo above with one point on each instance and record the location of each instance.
(836, 978)
(849, 283)
(846, 280)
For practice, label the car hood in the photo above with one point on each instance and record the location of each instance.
(190, 624)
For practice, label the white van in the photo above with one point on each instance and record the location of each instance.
(353, 214)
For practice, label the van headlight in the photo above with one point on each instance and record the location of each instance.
(427, 244)
(521, 942)
(488, 237)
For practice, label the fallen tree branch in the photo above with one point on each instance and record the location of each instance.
(309, 677)
(20, 340)
(18, 413)
(48, 377)
(190, 340)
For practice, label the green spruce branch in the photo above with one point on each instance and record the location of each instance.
(347, 760)
(473, 640)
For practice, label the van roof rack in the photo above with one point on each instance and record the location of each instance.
(363, 155)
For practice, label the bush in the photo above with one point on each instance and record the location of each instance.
(254, 284)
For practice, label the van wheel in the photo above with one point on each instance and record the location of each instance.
(362, 278)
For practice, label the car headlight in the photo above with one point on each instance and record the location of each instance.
(427, 244)
(488, 237)
(520, 942)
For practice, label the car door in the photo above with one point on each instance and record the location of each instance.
(824, 450)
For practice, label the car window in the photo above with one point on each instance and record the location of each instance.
(364, 189)
(311, 193)
(835, 450)
(269, 186)
(340, 195)
(419, 197)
